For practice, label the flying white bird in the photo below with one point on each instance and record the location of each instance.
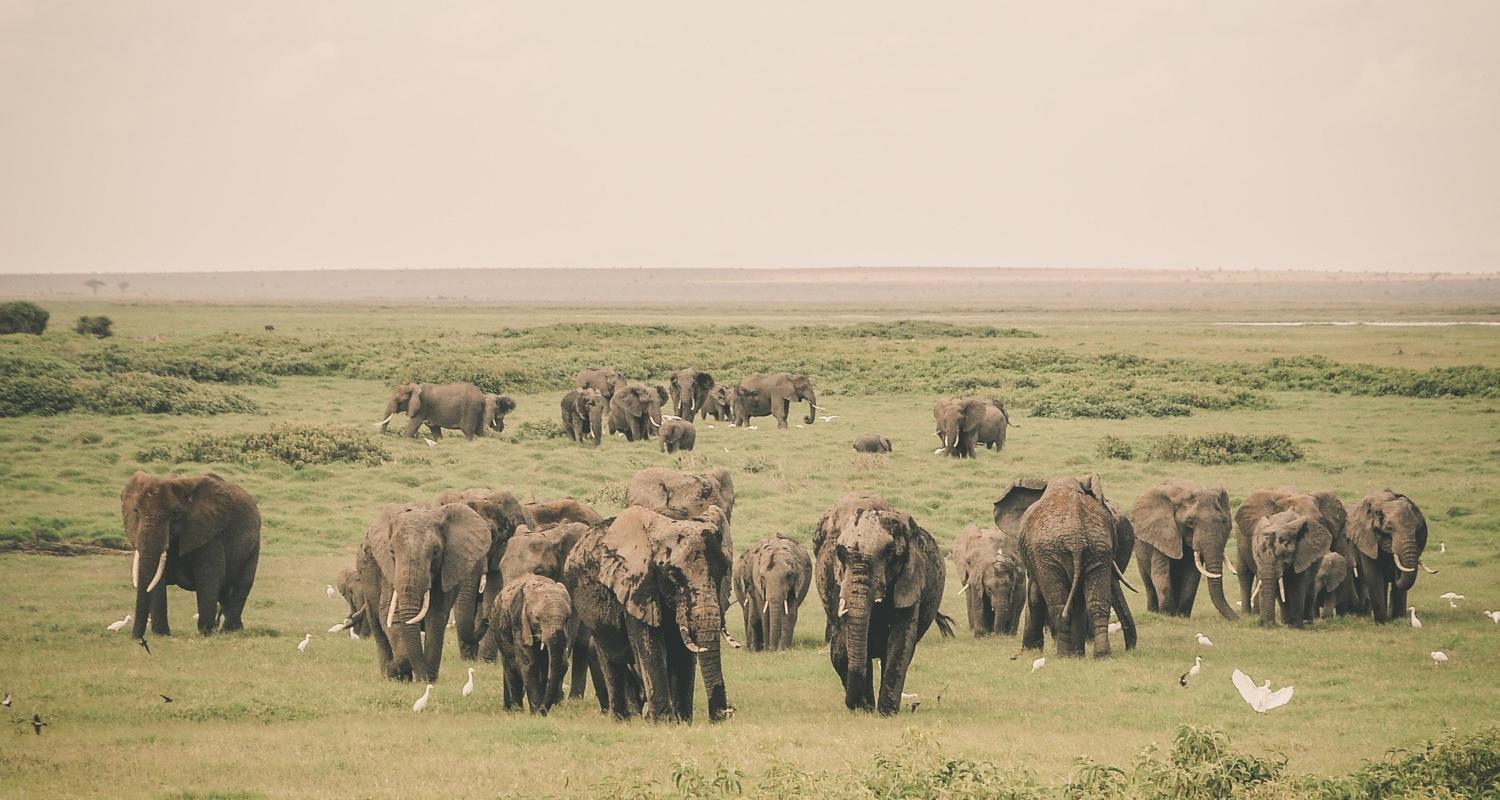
(1038, 664)
(328, 590)
(1260, 698)
(120, 623)
(1439, 657)
(1494, 616)
(469, 687)
(353, 635)
(1204, 641)
(1114, 627)
(430, 443)
(1192, 672)
(421, 704)
(829, 418)
(1415, 623)
(302, 645)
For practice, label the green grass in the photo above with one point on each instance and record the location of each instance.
(252, 717)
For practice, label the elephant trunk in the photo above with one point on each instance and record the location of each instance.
(700, 632)
(778, 637)
(596, 423)
(1406, 564)
(812, 406)
(856, 622)
(1269, 581)
(390, 412)
(464, 612)
(1212, 568)
(409, 600)
(555, 645)
(147, 571)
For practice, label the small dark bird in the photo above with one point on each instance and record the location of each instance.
(146, 647)
(165, 698)
(36, 723)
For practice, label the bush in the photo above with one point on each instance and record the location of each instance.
(297, 445)
(98, 327)
(1115, 447)
(1224, 448)
(23, 317)
(145, 393)
(538, 431)
(42, 395)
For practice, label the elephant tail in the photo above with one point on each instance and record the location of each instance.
(1073, 589)
(945, 625)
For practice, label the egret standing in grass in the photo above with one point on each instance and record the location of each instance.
(353, 635)
(1439, 657)
(1038, 664)
(328, 590)
(1415, 623)
(469, 687)
(1192, 672)
(302, 645)
(421, 704)
(120, 623)
(1204, 641)
(1494, 616)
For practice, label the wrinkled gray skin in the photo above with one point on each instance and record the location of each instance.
(719, 403)
(677, 434)
(771, 581)
(414, 556)
(583, 415)
(1182, 530)
(871, 443)
(994, 580)
(1333, 570)
(1387, 533)
(542, 514)
(1287, 546)
(689, 389)
(957, 421)
(635, 410)
(462, 406)
(760, 395)
(687, 495)
(504, 514)
(348, 586)
(1325, 515)
(201, 533)
(544, 553)
(991, 432)
(880, 577)
(604, 380)
(646, 587)
(1075, 545)
(530, 624)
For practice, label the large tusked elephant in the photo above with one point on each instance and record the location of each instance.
(583, 415)
(994, 580)
(760, 395)
(689, 389)
(771, 581)
(1181, 531)
(1388, 533)
(1285, 548)
(463, 406)
(201, 533)
(957, 423)
(635, 410)
(993, 428)
(504, 515)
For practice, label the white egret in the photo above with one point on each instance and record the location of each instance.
(1038, 664)
(1415, 623)
(328, 590)
(1451, 596)
(1204, 641)
(353, 635)
(120, 623)
(421, 704)
(1192, 672)
(1494, 616)
(7, 700)
(339, 627)
(1114, 627)
(1442, 547)
(302, 645)
(1260, 698)
(1439, 657)
(469, 687)
(430, 443)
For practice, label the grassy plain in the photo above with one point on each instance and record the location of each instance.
(252, 715)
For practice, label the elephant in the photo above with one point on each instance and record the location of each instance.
(418, 563)
(604, 380)
(646, 587)
(531, 624)
(583, 415)
(992, 429)
(1388, 533)
(448, 405)
(357, 619)
(689, 388)
(771, 581)
(683, 495)
(994, 581)
(719, 403)
(201, 533)
(544, 553)
(542, 514)
(871, 443)
(677, 434)
(759, 395)
(958, 420)
(1181, 531)
(635, 410)
(1325, 533)
(1285, 546)
(1075, 545)
(1333, 570)
(880, 577)
(504, 514)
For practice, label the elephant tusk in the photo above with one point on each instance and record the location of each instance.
(1399, 565)
(765, 608)
(786, 608)
(135, 571)
(483, 580)
(687, 641)
(1430, 570)
(1255, 590)
(1198, 561)
(161, 570)
(426, 600)
(733, 642)
(1230, 565)
(542, 645)
(1122, 577)
(963, 589)
(390, 616)
(384, 421)
(1355, 566)
(1281, 588)
(843, 607)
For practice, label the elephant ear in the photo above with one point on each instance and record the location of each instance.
(1093, 486)
(1333, 513)
(973, 413)
(1155, 519)
(1124, 535)
(913, 577)
(1314, 544)
(491, 406)
(204, 504)
(466, 537)
(1015, 500)
(518, 619)
(661, 394)
(704, 381)
(1255, 508)
(131, 494)
(415, 403)
(1360, 526)
(625, 564)
(378, 539)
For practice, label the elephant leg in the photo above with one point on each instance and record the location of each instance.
(207, 567)
(159, 624)
(436, 625)
(1247, 579)
(650, 660)
(901, 645)
(536, 680)
(412, 426)
(1160, 577)
(1375, 588)
(515, 685)
(1036, 614)
(1099, 588)
(682, 669)
(1191, 578)
(237, 592)
(973, 605)
(384, 655)
(789, 628)
(1127, 620)
(1144, 564)
(1398, 600)
(578, 655)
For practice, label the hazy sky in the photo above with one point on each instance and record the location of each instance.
(194, 135)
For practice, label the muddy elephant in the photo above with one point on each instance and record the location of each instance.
(771, 581)
(583, 415)
(542, 514)
(635, 410)
(417, 563)
(357, 619)
(646, 587)
(531, 623)
(992, 429)
(1075, 545)
(683, 495)
(880, 577)
(994, 580)
(1324, 533)
(504, 515)
(1333, 570)
(719, 403)
(201, 533)
(677, 434)
(1388, 534)
(543, 553)
(871, 443)
(760, 395)
(463, 406)
(1286, 548)
(1181, 531)
(957, 423)
(604, 380)
(689, 389)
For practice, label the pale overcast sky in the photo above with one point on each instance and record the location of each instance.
(200, 135)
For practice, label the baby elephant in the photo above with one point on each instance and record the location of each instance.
(531, 621)
(872, 443)
(677, 434)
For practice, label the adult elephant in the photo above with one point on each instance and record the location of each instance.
(992, 429)
(583, 415)
(871, 443)
(1181, 531)
(604, 380)
(994, 580)
(201, 533)
(1326, 517)
(689, 388)
(772, 580)
(880, 577)
(646, 588)
(683, 495)
(504, 515)
(463, 406)
(635, 410)
(1285, 548)
(417, 563)
(1075, 545)
(761, 394)
(958, 420)
(719, 403)
(1388, 533)
(357, 619)
(531, 623)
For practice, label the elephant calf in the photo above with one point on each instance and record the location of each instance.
(994, 581)
(871, 443)
(1332, 572)
(677, 434)
(531, 622)
(771, 580)
(348, 586)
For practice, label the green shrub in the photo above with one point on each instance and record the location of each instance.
(98, 327)
(146, 393)
(41, 395)
(1115, 447)
(297, 445)
(913, 329)
(1224, 448)
(23, 317)
(538, 430)
(176, 362)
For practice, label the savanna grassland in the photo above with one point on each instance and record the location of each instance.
(182, 387)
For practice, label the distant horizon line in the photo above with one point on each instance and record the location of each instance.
(1246, 270)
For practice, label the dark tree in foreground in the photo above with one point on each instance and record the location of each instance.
(23, 317)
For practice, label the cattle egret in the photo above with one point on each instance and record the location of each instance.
(1192, 672)
(36, 723)
(710, 427)
(7, 700)
(421, 704)
(353, 635)
(120, 623)
(752, 427)
(1439, 657)
(1114, 627)
(1494, 616)
(338, 627)
(1038, 664)
(1204, 641)
(430, 443)
(469, 687)
(1442, 548)
(1451, 596)
(302, 645)
(328, 590)
(1415, 623)
(1260, 698)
